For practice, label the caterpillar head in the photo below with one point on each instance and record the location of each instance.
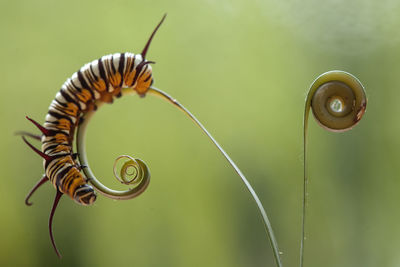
(85, 195)
(145, 77)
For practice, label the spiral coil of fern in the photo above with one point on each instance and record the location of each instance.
(338, 102)
(141, 172)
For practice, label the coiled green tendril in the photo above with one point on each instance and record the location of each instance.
(133, 172)
(338, 102)
(137, 169)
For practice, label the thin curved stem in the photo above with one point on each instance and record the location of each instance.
(305, 180)
(261, 209)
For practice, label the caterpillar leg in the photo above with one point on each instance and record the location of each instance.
(40, 153)
(75, 157)
(34, 136)
(81, 167)
(55, 203)
(39, 183)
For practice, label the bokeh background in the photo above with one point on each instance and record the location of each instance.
(243, 68)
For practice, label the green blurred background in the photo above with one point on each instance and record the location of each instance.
(243, 68)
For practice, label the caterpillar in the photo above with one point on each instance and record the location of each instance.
(98, 81)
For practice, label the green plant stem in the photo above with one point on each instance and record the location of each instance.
(305, 179)
(267, 224)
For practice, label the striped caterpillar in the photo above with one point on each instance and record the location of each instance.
(98, 81)
(95, 83)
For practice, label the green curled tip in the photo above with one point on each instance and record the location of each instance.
(133, 172)
(338, 102)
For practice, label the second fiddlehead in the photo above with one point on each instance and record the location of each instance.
(338, 102)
